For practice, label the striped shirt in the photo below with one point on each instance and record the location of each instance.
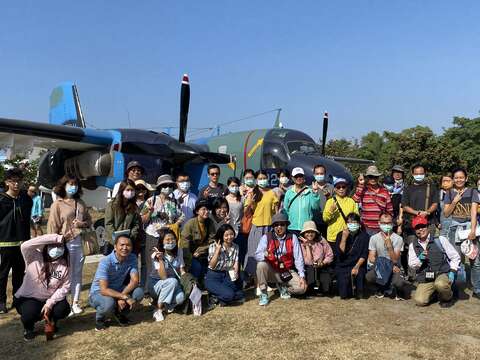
(373, 202)
(226, 259)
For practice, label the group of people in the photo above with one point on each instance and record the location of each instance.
(301, 239)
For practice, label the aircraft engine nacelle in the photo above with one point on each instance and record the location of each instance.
(89, 164)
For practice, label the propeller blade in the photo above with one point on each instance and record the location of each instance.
(325, 130)
(184, 106)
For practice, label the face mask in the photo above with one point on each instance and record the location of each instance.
(319, 178)
(262, 183)
(283, 180)
(389, 188)
(55, 251)
(184, 186)
(419, 178)
(250, 182)
(386, 228)
(400, 181)
(233, 189)
(166, 191)
(169, 246)
(128, 194)
(71, 189)
(353, 227)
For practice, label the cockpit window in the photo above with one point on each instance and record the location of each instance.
(274, 156)
(304, 147)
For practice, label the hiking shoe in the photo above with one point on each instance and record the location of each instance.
(28, 335)
(283, 292)
(100, 325)
(3, 308)
(446, 304)
(76, 309)
(379, 295)
(121, 319)
(263, 301)
(158, 315)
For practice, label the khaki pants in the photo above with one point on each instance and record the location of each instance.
(425, 291)
(266, 274)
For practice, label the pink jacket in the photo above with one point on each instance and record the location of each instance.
(321, 252)
(34, 285)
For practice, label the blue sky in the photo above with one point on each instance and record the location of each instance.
(374, 65)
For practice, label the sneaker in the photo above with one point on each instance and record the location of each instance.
(100, 325)
(399, 298)
(284, 292)
(212, 302)
(121, 319)
(263, 301)
(3, 308)
(28, 335)
(76, 309)
(379, 295)
(258, 292)
(446, 304)
(158, 315)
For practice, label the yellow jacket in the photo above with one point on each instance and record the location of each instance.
(334, 219)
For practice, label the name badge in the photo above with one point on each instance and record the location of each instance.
(282, 266)
(429, 275)
(233, 275)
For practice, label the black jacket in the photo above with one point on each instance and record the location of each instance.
(15, 217)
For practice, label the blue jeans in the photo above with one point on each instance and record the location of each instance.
(199, 268)
(106, 305)
(168, 291)
(475, 274)
(218, 283)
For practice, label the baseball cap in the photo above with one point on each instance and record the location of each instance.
(337, 181)
(419, 220)
(297, 171)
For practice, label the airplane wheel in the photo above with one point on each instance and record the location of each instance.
(99, 227)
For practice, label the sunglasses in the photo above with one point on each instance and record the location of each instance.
(214, 174)
(420, 227)
(279, 224)
(372, 177)
(339, 187)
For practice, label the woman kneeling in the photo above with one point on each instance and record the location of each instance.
(168, 267)
(45, 285)
(222, 277)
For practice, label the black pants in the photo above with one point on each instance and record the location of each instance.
(318, 277)
(30, 311)
(344, 281)
(10, 258)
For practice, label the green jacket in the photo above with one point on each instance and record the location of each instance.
(116, 220)
(191, 239)
(302, 208)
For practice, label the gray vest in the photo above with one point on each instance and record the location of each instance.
(436, 260)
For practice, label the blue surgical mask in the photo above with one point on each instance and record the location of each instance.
(419, 178)
(263, 183)
(55, 251)
(320, 178)
(169, 246)
(353, 227)
(71, 189)
(386, 228)
(233, 189)
(249, 182)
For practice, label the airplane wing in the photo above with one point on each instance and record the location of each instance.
(20, 136)
(350, 160)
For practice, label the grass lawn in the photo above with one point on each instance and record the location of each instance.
(320, 328)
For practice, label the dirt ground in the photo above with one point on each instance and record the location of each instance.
(319, 328)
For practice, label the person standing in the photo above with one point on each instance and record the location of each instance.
(300, 201)
(446, 184)
(185, 198)
(325, 192)
(373, 199)
(135, 171)
(69, 214)
(37, 211)
(283, 185)
(235, 204)
(15, 209)
(214, 189)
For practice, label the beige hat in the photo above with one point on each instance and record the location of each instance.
(372, 170)
(165, 180)
(144, 184)
(309, 226)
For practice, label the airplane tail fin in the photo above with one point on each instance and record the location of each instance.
(65, 106)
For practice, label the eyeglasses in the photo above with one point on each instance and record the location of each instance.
(420, 227)
(136, 170)
(340, 187)
(214, 174)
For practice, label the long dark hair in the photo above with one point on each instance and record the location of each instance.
(222, 230)
(162, 233)
(60, 191)
(233, 179)
(125, 205)
(47, 260)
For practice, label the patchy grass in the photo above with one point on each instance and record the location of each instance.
(320, 328)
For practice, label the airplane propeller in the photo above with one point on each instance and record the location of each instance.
(325, 130)
(184, 106)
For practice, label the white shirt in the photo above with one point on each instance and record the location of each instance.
(452, 254)
(187, 204)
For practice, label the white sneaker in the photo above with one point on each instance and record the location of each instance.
(258, 292)
(158, 315)
(76, 309)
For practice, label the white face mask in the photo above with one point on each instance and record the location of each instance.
(166, 191)
(184, 186)
(169, 246)
(71, 190)
(283, 180)
(55, 251)
(129, 194)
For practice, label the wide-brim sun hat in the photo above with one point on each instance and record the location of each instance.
(280, 218)
(165, 180)
(144, 184)
(372, 170)
(309, 226)
(133, 164)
